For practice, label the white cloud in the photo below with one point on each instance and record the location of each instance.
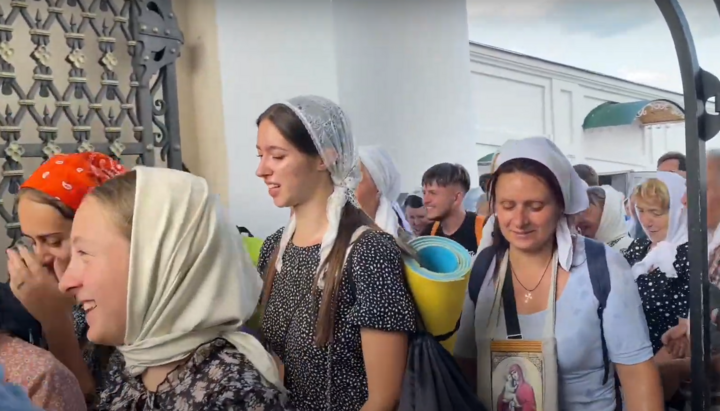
(516, 9)
(644, 76)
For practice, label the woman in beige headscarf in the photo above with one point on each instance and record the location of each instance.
(163, 277)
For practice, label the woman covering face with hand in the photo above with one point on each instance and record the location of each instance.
(46, 207)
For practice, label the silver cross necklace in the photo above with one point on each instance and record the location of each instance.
(528, 292)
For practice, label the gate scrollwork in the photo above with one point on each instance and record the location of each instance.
(86, 75)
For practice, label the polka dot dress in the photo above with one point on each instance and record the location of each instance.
(664, 299)
(372, 295)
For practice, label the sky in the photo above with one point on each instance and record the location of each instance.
(628, 39)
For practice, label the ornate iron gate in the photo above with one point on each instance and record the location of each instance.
(700, 126)
(119, 95)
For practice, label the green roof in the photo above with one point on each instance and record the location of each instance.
(485, 160)
(614, 114)
(611, 114)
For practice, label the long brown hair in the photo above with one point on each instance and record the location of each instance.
(352, 218)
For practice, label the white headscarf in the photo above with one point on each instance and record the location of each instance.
(574, 189)
(662, 256)
(191, 280)
(613, 228)
(386, 177)
(329, 129)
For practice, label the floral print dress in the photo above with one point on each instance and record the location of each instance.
(216, 377)
(49, 384)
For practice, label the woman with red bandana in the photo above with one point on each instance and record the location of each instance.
(46, 206)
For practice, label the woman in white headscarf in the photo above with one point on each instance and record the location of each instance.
(541, 266)
(337, 311)
(660, 263)
(162, 276)
(379, 189)
(604, 219)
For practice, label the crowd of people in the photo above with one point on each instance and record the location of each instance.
(133, 291)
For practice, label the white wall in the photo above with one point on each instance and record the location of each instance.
(269, 51)
(402, 77)
(399, 68)
(518, 96)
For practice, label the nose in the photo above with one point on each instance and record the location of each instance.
(71, 280)
(262, 170)
(45, 255)
(519, 217)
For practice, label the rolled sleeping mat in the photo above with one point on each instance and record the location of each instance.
(438, 282)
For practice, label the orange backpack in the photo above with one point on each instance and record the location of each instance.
(479, 224)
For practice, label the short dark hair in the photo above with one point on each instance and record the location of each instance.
(413, 201)
(445, 174)
(484, 181)
(588, 174)
(673, 155)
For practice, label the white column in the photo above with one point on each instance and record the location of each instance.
(404, 78)
(270, 50)
(399, 68)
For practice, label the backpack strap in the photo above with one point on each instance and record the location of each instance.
(435, 228)
(479, 225)
(479, 271)
(244, 230)
(600, 280)
(477, 278)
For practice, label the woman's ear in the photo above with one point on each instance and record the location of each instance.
(321, 165)
(328, 158)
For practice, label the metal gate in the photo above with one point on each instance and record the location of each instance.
(700, 126)
(86, 75)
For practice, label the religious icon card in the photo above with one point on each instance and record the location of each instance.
(517, 375)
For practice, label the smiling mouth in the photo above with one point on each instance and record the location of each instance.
(88, 306)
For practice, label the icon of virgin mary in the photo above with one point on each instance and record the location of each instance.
(517, 394)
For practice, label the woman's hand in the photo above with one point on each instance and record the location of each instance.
(677, 336)
(37, 288)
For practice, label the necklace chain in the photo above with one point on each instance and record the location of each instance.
(528, 295)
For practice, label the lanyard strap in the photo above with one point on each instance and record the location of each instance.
(512, 324)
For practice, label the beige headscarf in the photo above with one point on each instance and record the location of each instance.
(191, 281)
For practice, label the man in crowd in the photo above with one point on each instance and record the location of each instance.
(416, 214)
(444, 188)
(588, 174)
(673, 162)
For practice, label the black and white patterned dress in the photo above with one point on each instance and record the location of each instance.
(215, 377)
(664, 299)
(372, 294)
